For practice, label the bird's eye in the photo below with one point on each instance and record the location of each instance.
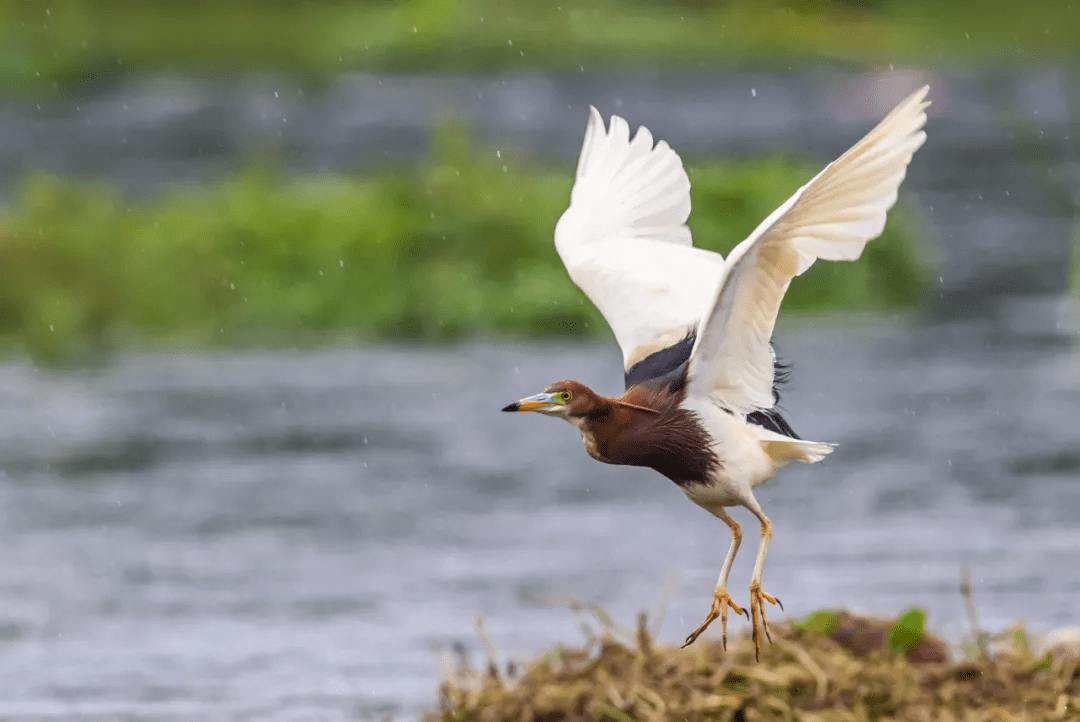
(564, 396)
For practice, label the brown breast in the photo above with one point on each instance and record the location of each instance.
(672, 440)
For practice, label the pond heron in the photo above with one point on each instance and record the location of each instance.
(695, 329)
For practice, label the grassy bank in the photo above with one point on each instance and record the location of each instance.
(459, 246)
(70, 42)
(853, 670)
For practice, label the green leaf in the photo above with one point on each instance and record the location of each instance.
(908, 630)
(822, 622)
(618, 715)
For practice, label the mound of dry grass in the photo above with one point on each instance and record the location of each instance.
(847, 670)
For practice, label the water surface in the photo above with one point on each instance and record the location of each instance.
(286, 535)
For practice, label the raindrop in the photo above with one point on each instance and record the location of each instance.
(753, 92)
(275, 94)
(341, 263)
(498, 154)
(51, 327)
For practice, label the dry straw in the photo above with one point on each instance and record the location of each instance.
(849, 671)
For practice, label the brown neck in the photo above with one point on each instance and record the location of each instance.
(647, 427)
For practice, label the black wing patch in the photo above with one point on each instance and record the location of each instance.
(670, 361)
(670, 364)
(772, 419)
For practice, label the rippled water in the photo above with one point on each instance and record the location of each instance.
(285, 536)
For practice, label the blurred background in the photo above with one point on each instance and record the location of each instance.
(269, 269)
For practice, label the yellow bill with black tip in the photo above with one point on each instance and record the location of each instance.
(538, 402)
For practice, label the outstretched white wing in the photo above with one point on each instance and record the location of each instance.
(832, 217)
(625, 243)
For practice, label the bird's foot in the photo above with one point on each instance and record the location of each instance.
(720, 603)
(757, 606)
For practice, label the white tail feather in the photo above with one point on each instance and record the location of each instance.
(783, 451)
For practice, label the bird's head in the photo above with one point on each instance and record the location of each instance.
(567, 399)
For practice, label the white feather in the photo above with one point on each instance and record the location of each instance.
(625, 243)
(832, 218)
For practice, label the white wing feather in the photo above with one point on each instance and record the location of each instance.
(625, 243)
(832, 217)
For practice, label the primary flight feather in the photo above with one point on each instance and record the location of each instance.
(695, 330)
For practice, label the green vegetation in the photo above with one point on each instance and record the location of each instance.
(824, 622)
(907, 630)
(75, 41)
(457, 247)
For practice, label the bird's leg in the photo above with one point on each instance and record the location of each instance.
(721, 599)
(758, 597)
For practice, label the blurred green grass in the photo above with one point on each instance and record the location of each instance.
(69, 42)
(458, 246)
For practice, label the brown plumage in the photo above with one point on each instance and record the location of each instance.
(643, 427)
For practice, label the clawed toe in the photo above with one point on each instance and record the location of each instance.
(720, 604)
(757, 607)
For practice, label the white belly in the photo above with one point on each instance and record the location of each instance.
(744, 464)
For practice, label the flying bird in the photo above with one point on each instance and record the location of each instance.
(695, 329)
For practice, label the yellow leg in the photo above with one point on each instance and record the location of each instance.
(758, 597)
(721, 599)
